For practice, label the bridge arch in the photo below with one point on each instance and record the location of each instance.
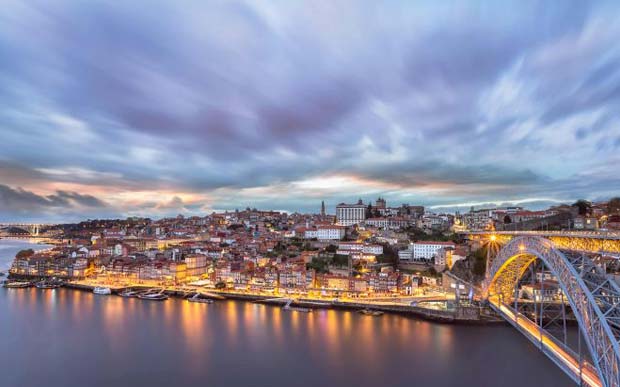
(593, 297)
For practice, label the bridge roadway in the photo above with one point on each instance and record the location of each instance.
(585, 241)
(560, 355)
(612, 235)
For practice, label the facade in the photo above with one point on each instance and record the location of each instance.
(387, 222)
(350, 214)
(196, 264)
(380, 204)
(405, 255)
(428, 250)
(325, 233)
(589, 223)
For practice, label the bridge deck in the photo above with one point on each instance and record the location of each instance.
(608, 235)
(561, 356)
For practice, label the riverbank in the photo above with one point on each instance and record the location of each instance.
(462, 315)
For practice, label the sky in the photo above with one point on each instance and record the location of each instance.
(158, 108)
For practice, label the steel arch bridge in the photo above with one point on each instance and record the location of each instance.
(592, 296)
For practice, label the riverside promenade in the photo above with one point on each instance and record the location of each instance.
(430, 308)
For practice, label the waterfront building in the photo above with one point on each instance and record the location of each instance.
(196, 264)
(546, 291)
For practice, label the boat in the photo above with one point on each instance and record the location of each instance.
(369, 312)
(47, 285)
(130, 293)
(17, 284)
(196, 298)
(102, 290)
(159, 296)
(290, 308)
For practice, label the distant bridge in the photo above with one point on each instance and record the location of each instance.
(529, 259)
(33, 229)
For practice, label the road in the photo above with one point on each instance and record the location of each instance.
(588, 372)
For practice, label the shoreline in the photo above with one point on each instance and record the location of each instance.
(432, 315)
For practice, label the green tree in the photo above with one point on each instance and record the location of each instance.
(340, 260)
(480, 262)
(613, 206)
(390, 255)
(584, 207)
(318, 264)
(331, 248)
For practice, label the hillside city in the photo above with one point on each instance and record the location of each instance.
(364, 250)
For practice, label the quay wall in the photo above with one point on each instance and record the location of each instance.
(461, 315)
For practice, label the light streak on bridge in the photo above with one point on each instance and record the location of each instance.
(593, 297)
(591, 241)
(559, 354)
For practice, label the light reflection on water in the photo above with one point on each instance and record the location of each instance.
(120, 341)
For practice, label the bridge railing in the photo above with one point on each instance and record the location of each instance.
(567, 233)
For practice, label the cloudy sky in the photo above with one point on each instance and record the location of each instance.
(116, 108)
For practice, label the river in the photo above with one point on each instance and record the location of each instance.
(65, 338)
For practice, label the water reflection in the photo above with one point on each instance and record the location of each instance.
(136, 342)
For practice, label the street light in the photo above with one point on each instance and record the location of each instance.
(490, 244)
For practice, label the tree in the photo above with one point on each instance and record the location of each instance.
(340, 260)
(613, 206)
(318, 264)
(25, 254)
(331, 248)
(480, 262)
(507, 219)
(390, 255)
(584, 207)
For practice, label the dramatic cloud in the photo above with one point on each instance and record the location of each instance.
(28, 205)
(154, 108)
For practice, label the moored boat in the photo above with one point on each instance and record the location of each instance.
(130, 293)
(196, 298)
(47, 285)
(158, 296)
(102, 290)
(369, 312)
(17, 284)
(290, 308)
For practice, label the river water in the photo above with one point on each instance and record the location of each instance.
(65, 338)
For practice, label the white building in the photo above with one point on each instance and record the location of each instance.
(405, 255)
(429, 249)
(346, 248)
(350, 214)
(392, 222)
(325, 233)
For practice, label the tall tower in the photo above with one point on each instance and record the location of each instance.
(322, 208)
